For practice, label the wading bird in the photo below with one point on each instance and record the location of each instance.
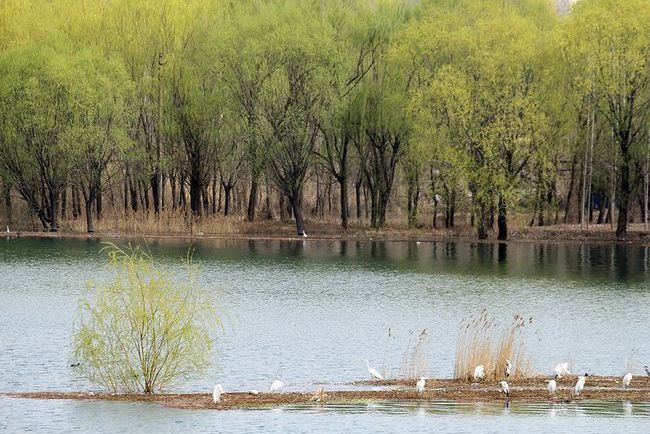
(216, 394)
(276, 385)
(626, 380)
(552, 386)
(580, 384)
(8, 229)
(479, 373)
(508, 368)
(373, 372)
(505, 388)
(419, 386)
(561, 369)
(647, 371)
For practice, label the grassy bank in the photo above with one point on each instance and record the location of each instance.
(237, 227)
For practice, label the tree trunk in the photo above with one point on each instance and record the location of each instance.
(567, 205)
(252, 200)
(195, 194)
(294, 201)
(624, 196)
(227, 188)
(357, 193)
(54, 204)
(89, 216)
(343, 182)
(502, 220)
(8, 207)
(64, 202)
(269, 204)
(98, 201)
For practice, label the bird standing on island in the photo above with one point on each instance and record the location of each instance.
(626, 380)
(373, 372)
(479, 373)
(216, 394)
(580, 384)
(8, 231)
(647, 371)
(505, 388)
(552, 386)
(419, 386)
(508, 368)
(276, 385)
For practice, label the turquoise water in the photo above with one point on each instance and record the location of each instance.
(310, 312)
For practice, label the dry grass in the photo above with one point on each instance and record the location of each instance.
(167, 223)
(484, 341)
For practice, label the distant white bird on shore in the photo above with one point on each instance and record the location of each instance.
(304, 235)
(216, 394)
(508, 367)
(561, 369)
(254, 392)
(479, 373)
(8, 229)
(373, 372)
(505, 388)
(276, 385)
(626, 380)
(647, 371)
(552, 386)
(580, 384)
(419, 386)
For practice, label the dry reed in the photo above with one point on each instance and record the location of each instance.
(484, 341)
(414, 359)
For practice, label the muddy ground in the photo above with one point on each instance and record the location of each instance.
(529, 389)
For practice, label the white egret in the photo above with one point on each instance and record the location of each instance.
(479, 373)
(561, 369)
(276, 385)
(419, 386)
(373, 372)
(626, 380)
(8, 229)
(580, 384)
(216, 394)
(647, 371)
(508, 367)
(552, 386)
(505, 388)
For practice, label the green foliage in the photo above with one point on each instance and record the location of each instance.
(491, 96)
(146, 328)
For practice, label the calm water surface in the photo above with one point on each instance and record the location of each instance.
(311, 312)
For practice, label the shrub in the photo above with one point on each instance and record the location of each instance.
(144, 329)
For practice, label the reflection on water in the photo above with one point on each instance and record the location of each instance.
(311, 311)
(17, 415)
(614, 262)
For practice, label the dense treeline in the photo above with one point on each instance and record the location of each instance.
(490, 108)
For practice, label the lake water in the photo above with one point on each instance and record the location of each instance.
(311, 311)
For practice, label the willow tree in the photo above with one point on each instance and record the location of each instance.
(299, 47)
(381, 124)
(484, 93)
(34, 115)
(100, 95)
(610, 44)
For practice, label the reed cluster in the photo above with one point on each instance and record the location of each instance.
(485, 341)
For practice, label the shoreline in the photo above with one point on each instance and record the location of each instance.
(525, 390)
(530, 235)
